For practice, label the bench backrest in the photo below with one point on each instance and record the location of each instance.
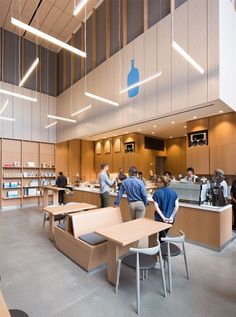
(89, 221)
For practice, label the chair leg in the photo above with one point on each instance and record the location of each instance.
(118, 275)
(185, 260)
(163, 275)
(143, 276)
(44, 220)
(146, 274)
(137, 283)
(169, 268)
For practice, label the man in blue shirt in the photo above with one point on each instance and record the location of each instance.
(166, 204)
(136, 194)
(105, 185)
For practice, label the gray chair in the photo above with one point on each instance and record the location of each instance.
(141, 260)
(58, 218)
(169, 250)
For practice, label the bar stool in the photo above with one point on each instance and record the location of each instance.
(17, 313)
(141, 260)
(169, 249)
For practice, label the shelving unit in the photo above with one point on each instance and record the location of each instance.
(40, 157)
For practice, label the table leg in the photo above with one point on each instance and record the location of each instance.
(45, 197)
(113, 253)
(55, 197)
(51, 227)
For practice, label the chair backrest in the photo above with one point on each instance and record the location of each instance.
(147, 251)
(89, 221)
(178, 239)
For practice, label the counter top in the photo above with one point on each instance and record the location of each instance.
(185, 205)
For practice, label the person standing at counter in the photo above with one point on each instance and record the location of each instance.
(121, 177)
(233, 202)
(105, 185)
(61, 182)
(220, 176)
(166, 204)
(136, 194)
(191, 177)
(140, 176)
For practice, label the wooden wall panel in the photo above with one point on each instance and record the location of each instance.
(11, 151)
(87, 160)
(47, 153)
(175, 161)
(62, 158)
(74, 157)
(30, 153)
(199, 158)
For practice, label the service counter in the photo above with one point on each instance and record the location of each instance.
(204, 225)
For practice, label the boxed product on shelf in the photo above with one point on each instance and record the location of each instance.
(16, 164)
(6, 185)
(30, 164)
(29, 174)
(12, 175)
(8, 165)
(14, 185)
(12, 194)
(34, 182)
(32, 191)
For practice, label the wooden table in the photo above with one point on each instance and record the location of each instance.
(122, 235)
(55, 191)
(4, 312)
(64, 209)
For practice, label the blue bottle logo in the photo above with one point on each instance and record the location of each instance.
(133, 77)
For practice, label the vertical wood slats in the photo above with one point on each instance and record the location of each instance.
(145, 15)
(82, 48)
(94, 50)
(124, 23)
(108, 28)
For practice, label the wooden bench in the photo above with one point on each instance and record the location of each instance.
(68, 241)
(4, 312)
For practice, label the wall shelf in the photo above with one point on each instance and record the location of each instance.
(9, 198)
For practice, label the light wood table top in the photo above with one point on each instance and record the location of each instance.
(4, 312)
(66, 209)
(128, 232)
(54, 188)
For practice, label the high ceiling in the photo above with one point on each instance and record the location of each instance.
(53, 17)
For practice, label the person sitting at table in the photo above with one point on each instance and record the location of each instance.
(136, 194)
(121, 177)
(61, 182)
(166, 204)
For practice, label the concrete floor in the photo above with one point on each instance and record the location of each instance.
(40, 280)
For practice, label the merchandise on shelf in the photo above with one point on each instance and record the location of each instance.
(30, 164)
(12, 175)
(30, 174)
(12, 194)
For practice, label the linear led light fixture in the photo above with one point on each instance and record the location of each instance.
(61, 118)
(14, 94)
(29, 72)
(188, 58)
(47, 37)
(79, 6)
(81, 110)
(50, 125)
(7, 118)
(139, 83)
(113, 103)
(4, 106)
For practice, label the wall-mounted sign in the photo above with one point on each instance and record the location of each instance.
(133, 77)
(198, 138)
(129, 147)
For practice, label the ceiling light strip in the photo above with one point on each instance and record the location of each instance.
(47, 37)
(50, 125)
(79, 6)
(14, 94)
(61, 118)
(29, 72)
(7, 118)
(81, 110)
(188, 58)
(113, 103)
(4, 106)
(139, 83)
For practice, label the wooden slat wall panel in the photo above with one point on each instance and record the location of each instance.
(134, 19)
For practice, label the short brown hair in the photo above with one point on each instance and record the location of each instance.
(164, 180)
(103, 165)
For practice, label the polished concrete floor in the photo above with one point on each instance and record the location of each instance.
(40, 280)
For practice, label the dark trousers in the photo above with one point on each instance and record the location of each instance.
(234, 213)
(61, 197)
(105, 198)
(163, 233)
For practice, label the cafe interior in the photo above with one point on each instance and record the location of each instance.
(117, 151)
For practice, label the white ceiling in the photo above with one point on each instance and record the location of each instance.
(172, 126)
(53, 17)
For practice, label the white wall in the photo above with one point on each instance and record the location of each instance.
(31, 117)
(180, 86)
(227, 30)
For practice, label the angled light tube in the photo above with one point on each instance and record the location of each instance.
(4, 106)
(7, 118)
(61, 118)
(81, 110)
(47, 37)
(50, 125)
(14, 94)
(188, 58)
(88, 94)
(29, 72)
(79, 6)
(141, 82)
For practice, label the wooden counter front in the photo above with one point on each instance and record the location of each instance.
(208, 228)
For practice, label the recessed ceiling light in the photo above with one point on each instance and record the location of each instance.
(126, 132)
(185, 127)
(172, 122)
(221, 111)
(194, 117)
(153, 132)
(171, 137)
(139, 129)
(185, 135)
(154, 126)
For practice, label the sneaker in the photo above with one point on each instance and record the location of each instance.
(157, 266)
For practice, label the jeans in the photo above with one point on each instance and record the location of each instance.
(137, 209)
(105, 198)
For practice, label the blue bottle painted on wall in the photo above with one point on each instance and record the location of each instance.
(133, 77)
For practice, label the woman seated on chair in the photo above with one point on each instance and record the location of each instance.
(166, 204)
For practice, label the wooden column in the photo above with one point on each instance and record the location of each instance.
(72, 60)
(82, 48)
(108, 28)
(64, 69)
(94, 50)
(145, 15)
(124, 23)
